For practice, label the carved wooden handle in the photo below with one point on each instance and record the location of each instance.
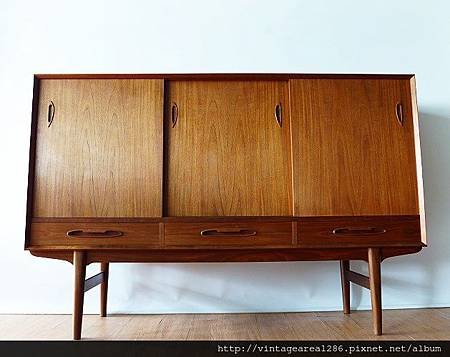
(227, 233)
(279, 114)
(92, 233)
(174, 114)
(399, 113)
(50, 113)
(358, 231)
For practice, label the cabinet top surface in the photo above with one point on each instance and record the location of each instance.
(216, 76)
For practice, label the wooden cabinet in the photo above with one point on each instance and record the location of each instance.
(228, 148)
(221, 168)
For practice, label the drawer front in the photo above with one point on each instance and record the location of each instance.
(359, 231)
(232, 234)
(104, 235)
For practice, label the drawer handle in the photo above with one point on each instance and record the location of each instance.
(358, 231)
(218, 233)
(94, 233)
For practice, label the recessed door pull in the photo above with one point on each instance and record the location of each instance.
(50, 113)
(399, 113)
(174, 112)
(279, 114)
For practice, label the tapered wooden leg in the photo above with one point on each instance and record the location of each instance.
(79, 263)
(375, 288)
(104, 289)
(345, 284)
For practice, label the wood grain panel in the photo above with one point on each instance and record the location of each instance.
(351, 156)
(268, 234)
(359, 231)
(132, 235)
(227, 155)
(102, 154)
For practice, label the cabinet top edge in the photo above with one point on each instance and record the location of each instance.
(223, 76)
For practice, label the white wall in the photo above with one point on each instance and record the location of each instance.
(223, 36)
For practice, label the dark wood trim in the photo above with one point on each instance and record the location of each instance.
(223, 76)
(357, 278)
(390, 218)
(32, 160)
(95, 219)
(166, 219)
(294, 233)
(93, 281)
(228, 255)
(269, 249)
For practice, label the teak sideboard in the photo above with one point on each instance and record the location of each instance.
(224, 168)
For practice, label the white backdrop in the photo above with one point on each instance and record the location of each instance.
(223, 36)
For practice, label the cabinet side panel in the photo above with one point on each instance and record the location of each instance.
(351, 154)
(32, 160)
(415, 118)
(102, 154)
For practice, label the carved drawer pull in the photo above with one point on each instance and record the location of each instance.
(227, 233)
(358, 231)
(94, 233)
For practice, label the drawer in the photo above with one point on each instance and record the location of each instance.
(359, 231)
(228, 234)
(104, 235)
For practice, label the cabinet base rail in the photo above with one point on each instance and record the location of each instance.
(372, 282)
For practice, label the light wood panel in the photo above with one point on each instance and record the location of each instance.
(102, 154)
(351, 155)
(410, 324)
(227, 155)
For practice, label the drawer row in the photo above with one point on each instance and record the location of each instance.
(313, 233)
